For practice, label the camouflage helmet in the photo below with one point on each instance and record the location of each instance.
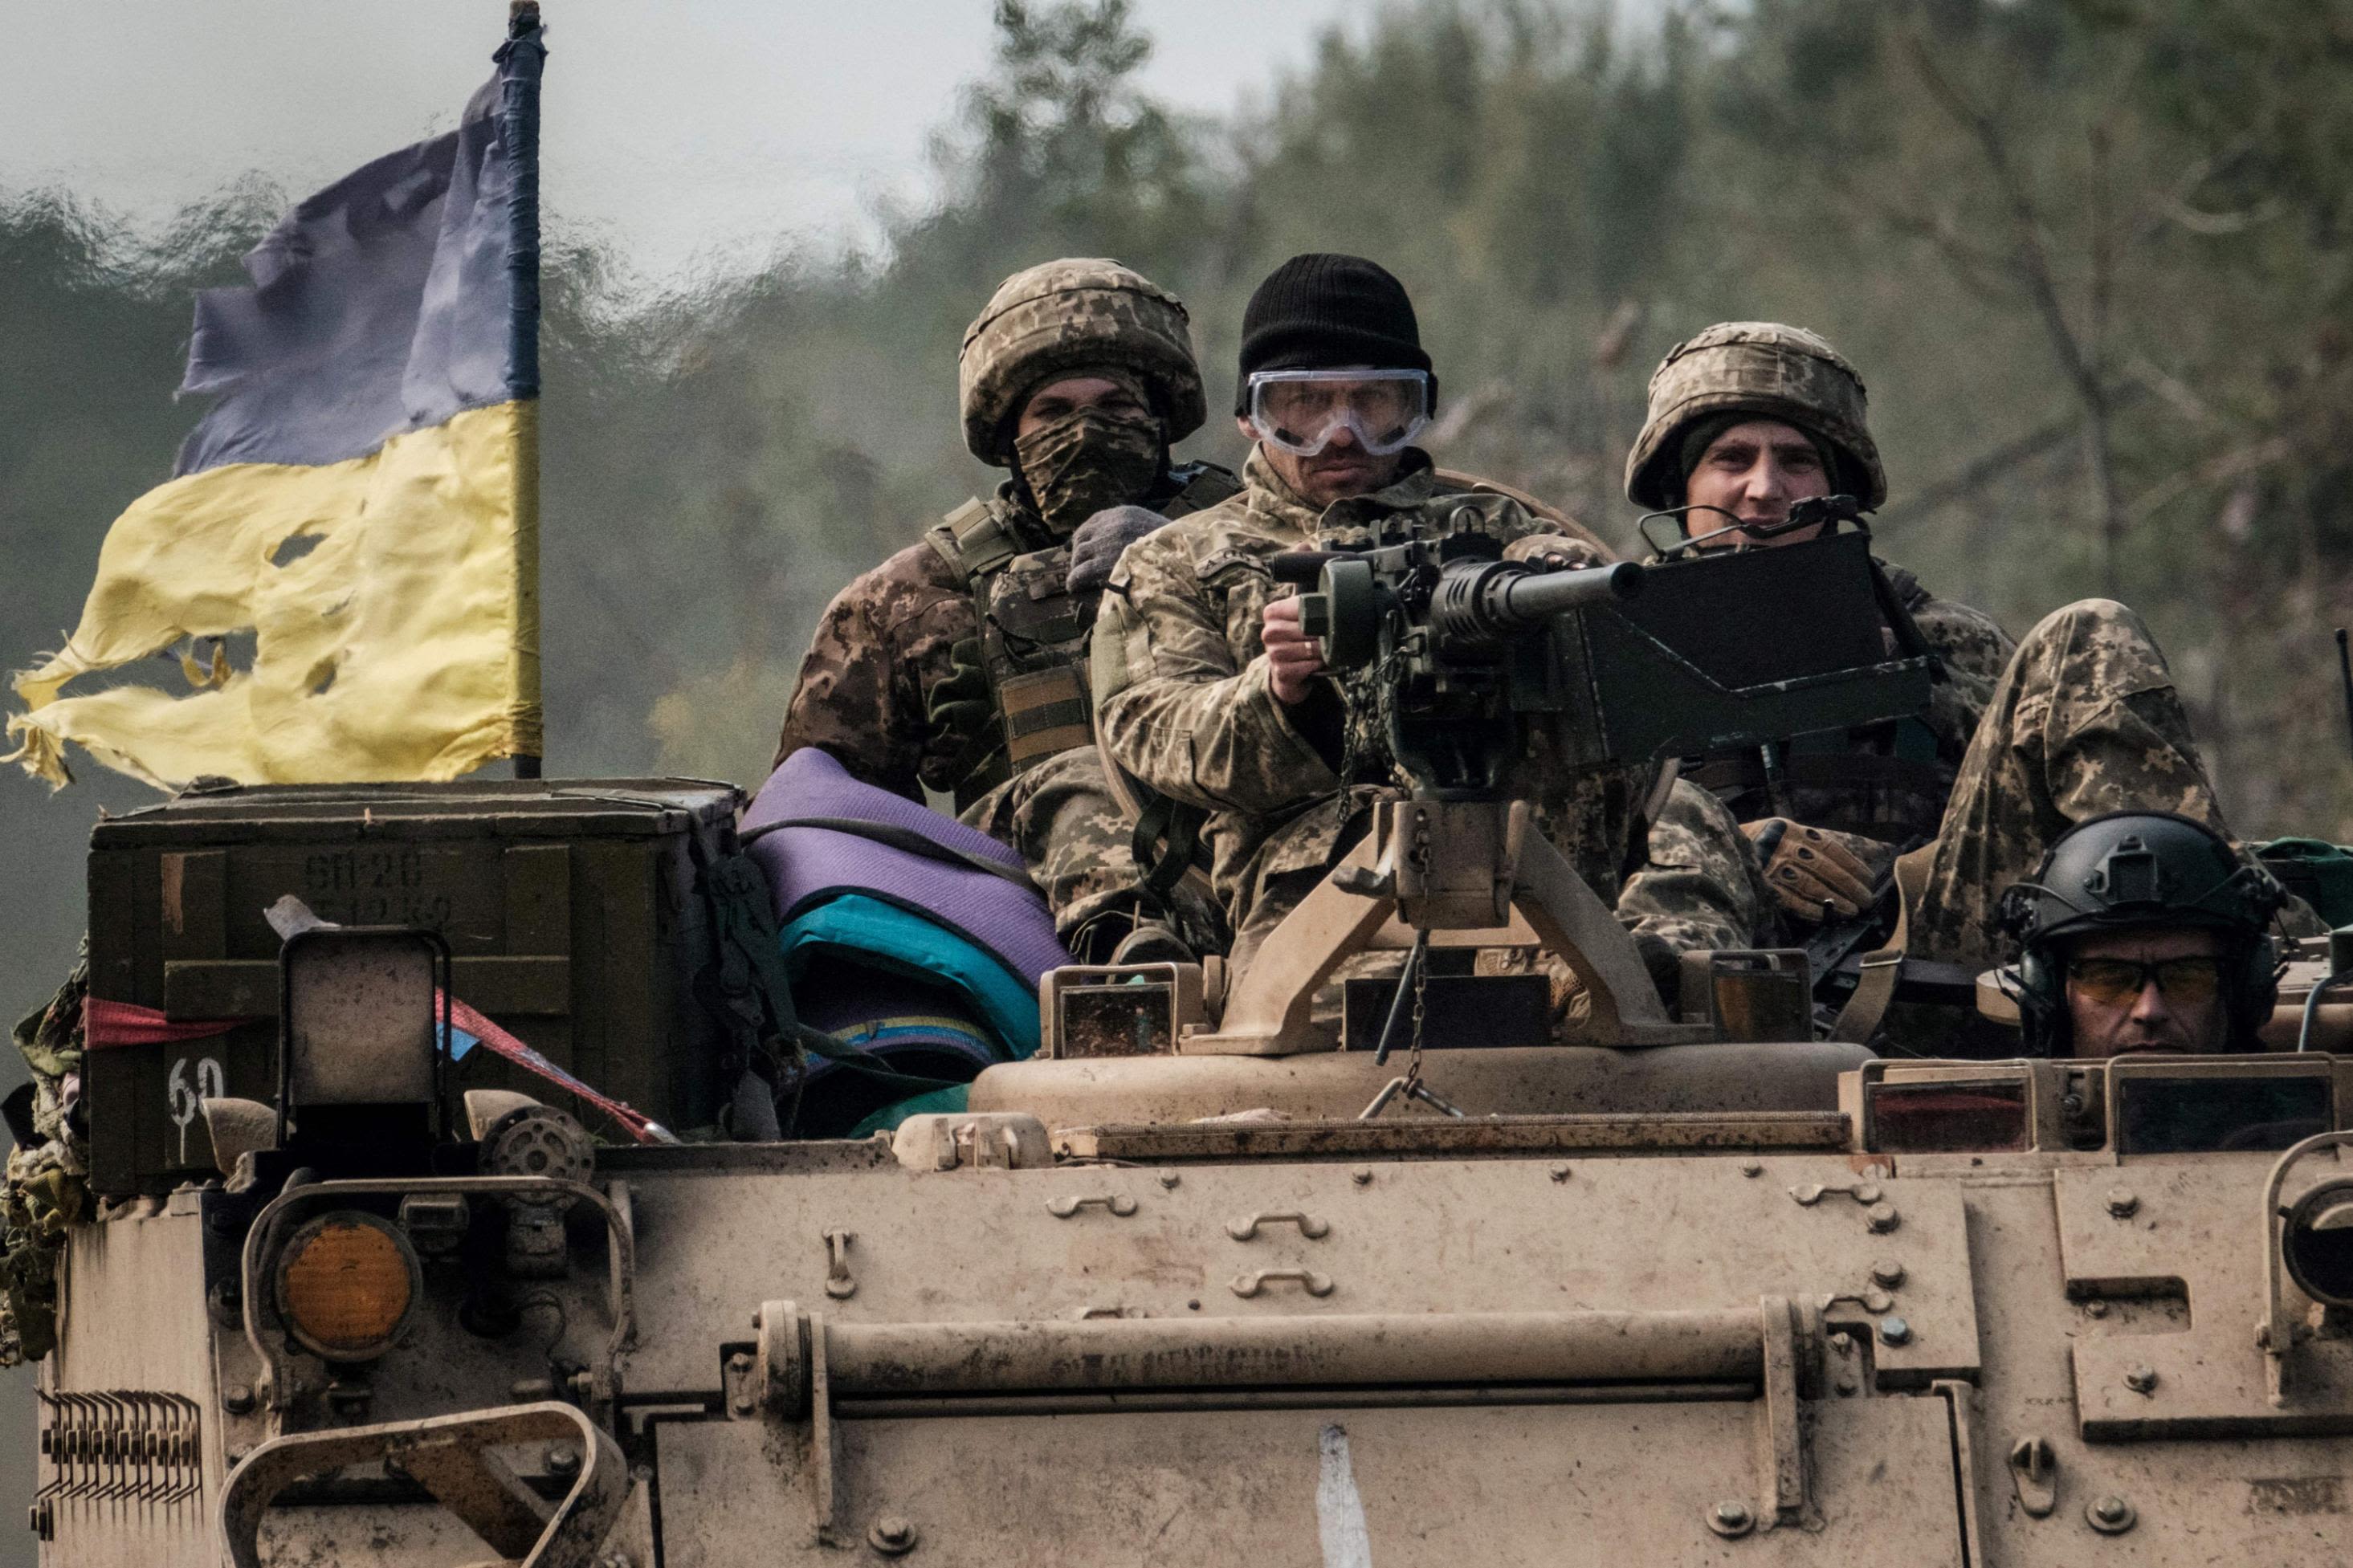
(1762, 368)
(1061, 316)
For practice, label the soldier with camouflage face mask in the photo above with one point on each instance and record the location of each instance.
(2019, 741)
(959, 665)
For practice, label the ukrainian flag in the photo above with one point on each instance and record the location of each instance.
(363, 498)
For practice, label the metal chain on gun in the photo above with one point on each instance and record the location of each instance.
(1408, 1084)
(1419, 855)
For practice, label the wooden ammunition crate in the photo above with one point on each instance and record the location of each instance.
(570, 909)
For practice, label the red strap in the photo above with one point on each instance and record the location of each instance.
(105, 1024)
(635, 1123)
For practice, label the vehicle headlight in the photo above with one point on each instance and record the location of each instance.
(346, 1283)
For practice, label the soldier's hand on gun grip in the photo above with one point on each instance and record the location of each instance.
(1553, 553)
(1807, 868)
(1096, 543)
(963, 706)
(1294, 659)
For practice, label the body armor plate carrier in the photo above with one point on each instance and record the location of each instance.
(1034, 632)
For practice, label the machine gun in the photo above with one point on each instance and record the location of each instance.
(1626, 664)
(1471, 661)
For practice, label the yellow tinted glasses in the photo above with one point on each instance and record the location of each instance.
(2113, 982)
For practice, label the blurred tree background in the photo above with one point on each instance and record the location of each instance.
(2092, 257)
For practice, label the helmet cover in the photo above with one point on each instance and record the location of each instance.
(1063, 316)
(1765, 369)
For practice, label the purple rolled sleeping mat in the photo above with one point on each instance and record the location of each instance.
(893, 911)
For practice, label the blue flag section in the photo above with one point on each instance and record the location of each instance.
(378, 306)
(377, 390)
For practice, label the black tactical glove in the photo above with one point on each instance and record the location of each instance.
(963, 709)
(1096, 543)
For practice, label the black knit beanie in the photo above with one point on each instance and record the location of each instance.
(1321, 312)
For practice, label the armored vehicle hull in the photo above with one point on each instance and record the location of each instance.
(1666, 1337)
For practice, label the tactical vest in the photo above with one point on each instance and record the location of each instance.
(1034, 631)
(1888, 781)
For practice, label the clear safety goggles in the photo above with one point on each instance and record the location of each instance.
(1301, 410)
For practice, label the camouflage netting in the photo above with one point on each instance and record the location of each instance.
(47, 1187)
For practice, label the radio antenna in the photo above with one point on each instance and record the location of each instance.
(2345, 673)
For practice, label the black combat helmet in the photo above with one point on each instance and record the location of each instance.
(2135, 869)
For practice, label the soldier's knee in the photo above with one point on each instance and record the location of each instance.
(2071, 622)
(1080, 767)
(2104, 630)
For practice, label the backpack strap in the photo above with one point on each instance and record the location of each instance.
(1874, 985)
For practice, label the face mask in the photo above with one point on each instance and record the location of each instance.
(1085, 462)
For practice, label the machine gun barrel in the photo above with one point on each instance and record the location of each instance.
(1491, 601)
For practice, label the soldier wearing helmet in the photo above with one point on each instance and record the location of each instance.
(957, 666)
(1210, 693)
(2143, 931)
(2019, 741)
(1746, 419)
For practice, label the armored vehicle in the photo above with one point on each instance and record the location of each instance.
(407, 1198)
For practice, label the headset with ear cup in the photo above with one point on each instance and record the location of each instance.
(2138, 868)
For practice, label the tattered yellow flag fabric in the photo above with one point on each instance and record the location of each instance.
(361, 498)
(399, 646)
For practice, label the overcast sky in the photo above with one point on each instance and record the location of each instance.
(686, 135)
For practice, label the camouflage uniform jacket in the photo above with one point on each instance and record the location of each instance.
(1185, 703)
(882, 648)
(1887, 781)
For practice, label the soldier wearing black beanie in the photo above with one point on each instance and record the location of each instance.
(1322, 311)
(1210, 694)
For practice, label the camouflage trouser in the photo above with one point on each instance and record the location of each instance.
(1700, 888)
(2085, 721)
(1063, 818)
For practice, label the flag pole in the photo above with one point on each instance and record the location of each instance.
(520, 60)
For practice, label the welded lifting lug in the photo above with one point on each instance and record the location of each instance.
(1313, 1283)
(455, 1458)
(2034, 1471)
(1864, 1190)
(837, 1282)
(1070, 1203)
(1247, 1228)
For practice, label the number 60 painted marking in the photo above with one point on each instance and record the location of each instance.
(187, 1098)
